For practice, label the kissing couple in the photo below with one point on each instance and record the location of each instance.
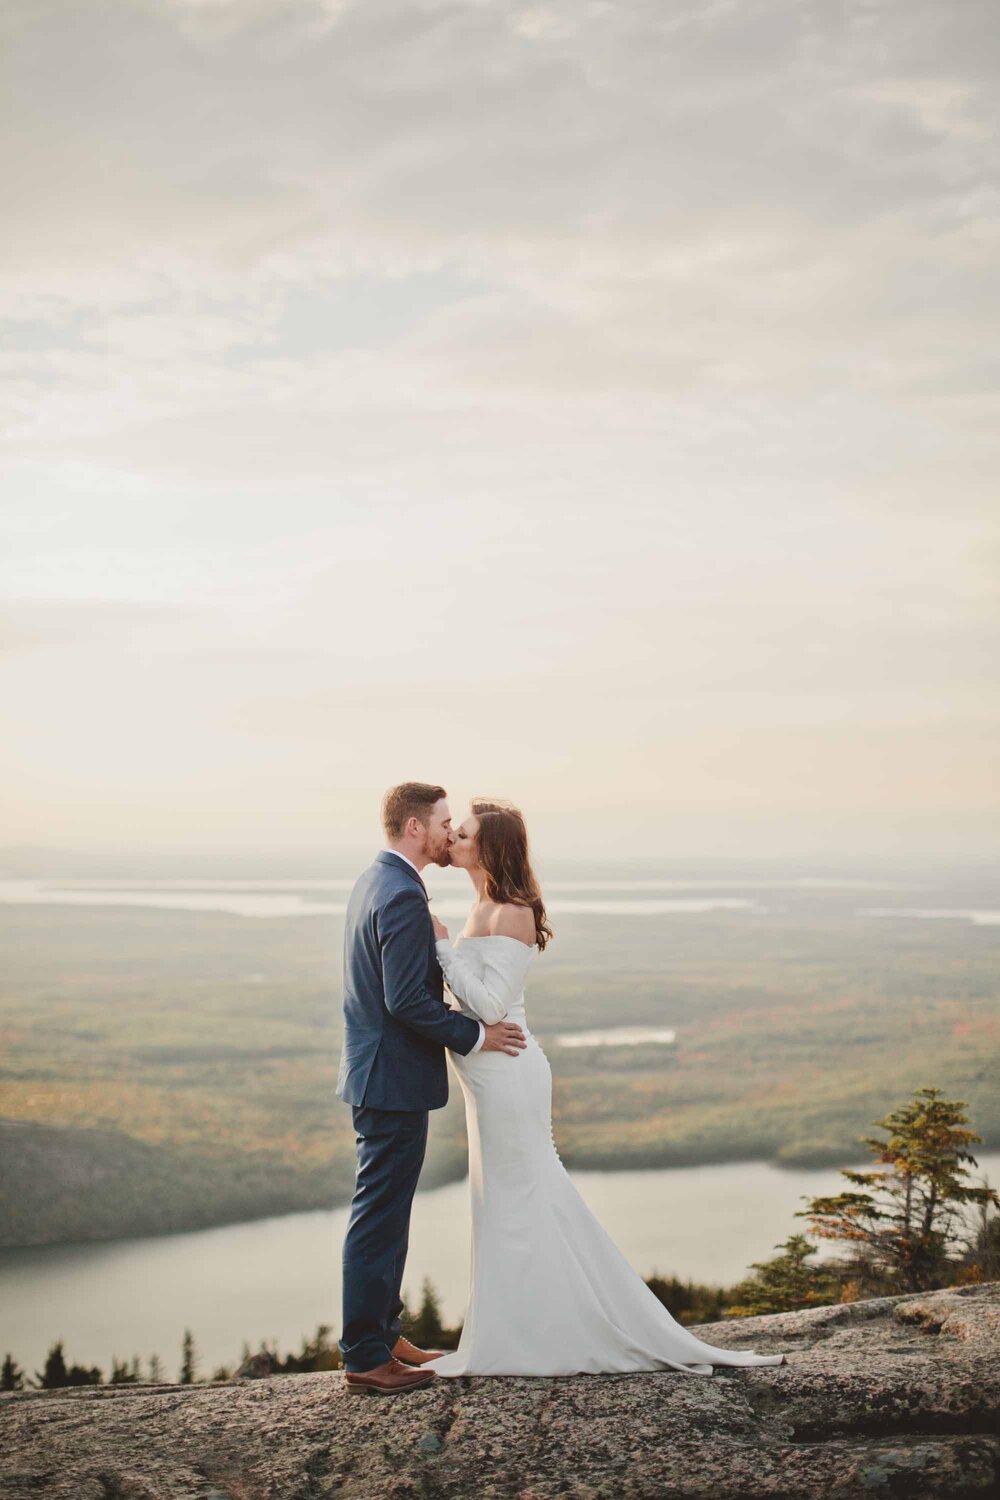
(551, 1292)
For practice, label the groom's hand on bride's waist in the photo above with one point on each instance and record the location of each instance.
(504, 1036)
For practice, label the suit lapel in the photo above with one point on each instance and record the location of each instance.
(386, 857)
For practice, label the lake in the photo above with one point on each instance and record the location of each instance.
(606, 897)
(276, 1279)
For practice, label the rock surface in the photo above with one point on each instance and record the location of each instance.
(895, 1397)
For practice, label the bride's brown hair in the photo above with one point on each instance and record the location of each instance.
(503, 853)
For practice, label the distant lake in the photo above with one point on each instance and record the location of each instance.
(620, 1036)
(450, 893)
(277, 1279)
(314, 898)
(978, 917)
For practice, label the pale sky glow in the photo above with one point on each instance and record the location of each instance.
(589, 403)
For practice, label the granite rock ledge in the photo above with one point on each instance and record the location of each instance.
(897, 1397)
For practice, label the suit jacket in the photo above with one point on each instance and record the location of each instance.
(396, 1024)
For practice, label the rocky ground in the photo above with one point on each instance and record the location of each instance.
(896, 1397)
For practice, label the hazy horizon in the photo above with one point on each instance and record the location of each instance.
(335, 862)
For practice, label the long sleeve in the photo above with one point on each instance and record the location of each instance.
(402, 930)
(489, 998)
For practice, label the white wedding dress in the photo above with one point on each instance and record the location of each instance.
(551, 1293)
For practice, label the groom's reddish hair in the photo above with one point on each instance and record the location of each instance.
(411, 799)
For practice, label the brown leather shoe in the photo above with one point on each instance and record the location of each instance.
(409, 1354)
(390, 1379)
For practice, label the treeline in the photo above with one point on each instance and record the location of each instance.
(317, 1353)
(913, 1222)
(72, 1184)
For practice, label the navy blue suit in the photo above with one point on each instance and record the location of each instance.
(392, 1070)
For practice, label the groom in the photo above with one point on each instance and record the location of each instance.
(392, 1071)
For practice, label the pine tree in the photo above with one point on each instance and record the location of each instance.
(426, 1329)
(981, 1260)
(687, 1301)
(12, 1376)
(785, 1283)
(187, 1358)
(319, 1353)
(55, 1373)
(125, 1374)
(156, 1369)
(911, 1215)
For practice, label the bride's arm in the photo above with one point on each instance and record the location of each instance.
(488, 998)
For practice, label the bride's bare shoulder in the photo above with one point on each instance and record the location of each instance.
(513, 921)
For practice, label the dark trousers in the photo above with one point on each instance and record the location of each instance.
(391, 1145)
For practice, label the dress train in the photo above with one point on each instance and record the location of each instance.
(551, 1293)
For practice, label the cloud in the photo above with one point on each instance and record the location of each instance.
(626, 361)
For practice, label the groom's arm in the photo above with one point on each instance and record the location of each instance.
(402, 931)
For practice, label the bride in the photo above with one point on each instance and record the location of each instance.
(551, 1292)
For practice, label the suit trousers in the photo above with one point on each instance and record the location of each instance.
(390, 1146)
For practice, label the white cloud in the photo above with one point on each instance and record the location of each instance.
(621, 365)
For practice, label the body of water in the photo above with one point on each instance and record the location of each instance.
(316, 898)
(277, 1279)
(979, 917)
(620, 1036)
(450, 894)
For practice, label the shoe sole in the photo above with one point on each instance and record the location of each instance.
(401, 1390)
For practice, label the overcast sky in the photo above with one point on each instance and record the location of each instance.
(592, 403)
